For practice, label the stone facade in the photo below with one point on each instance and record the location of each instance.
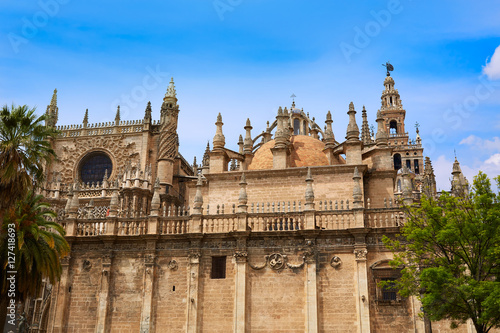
(283, 235)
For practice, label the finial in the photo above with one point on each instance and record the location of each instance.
(417, 126)
(329, 115)
(157, 183)
(248, 122)
(117, 117)
(351, 106)
(171, 89)
(147, 112)
(86, 117)
(54, 98)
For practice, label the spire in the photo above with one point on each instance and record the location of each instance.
(53, 101)
(352, 134)
(329, 137)
(240, 144)
(418, 139)
(86, 118)
(219, 139)
(147, 113)
(206, 156)
(117, 117)
(52, 111)
(365, 128)
(248, 143)
(171, 90)
(429, 181)
(459, 184)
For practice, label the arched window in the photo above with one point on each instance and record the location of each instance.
(416, 167)
(296, 126)
(393, 127)
(399, 185)
(93, 167)
(397, 162)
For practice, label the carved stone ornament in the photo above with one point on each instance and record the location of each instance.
(360, 254)
(172, 264)
(276, 261)
(335, 262)
(240, 256)
(149, 259)
(87, 265)
(65, 260)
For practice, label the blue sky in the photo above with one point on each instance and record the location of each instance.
(245, 58)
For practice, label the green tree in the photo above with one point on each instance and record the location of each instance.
(449, 249)
(40, 244)
(24, 150)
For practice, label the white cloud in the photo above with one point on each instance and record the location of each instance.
(482, 144)
(492, 68)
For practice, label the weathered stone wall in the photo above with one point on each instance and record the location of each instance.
(276, 299)
(170, 294)
(126, 293)
(83, 296)
(337, 294)
(216, 297)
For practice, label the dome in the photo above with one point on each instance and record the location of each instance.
(295, 110)
(306, 151)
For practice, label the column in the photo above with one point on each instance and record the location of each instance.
(311, 289)
(147, 301)
(62, 300)
(240, 291)
(193, 286)
(102, 305)
(362, 297)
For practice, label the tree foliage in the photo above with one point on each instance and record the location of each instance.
(24, 149)
(450, 250)
(40, 244)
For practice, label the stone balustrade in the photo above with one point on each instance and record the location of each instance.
(95, 221)
(124, 126)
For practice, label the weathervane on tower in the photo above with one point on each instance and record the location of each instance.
(389, 68)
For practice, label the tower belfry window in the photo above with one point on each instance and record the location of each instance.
(393, 127)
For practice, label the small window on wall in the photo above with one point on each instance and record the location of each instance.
(416, 166)
(296, 126)
(385, 283)
(389, 290)
(408, 164)
(397, 161)
(218, 268)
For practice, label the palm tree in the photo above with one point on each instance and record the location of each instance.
(24, 149)
(40, 244)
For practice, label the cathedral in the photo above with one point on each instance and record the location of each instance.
(282, 235)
